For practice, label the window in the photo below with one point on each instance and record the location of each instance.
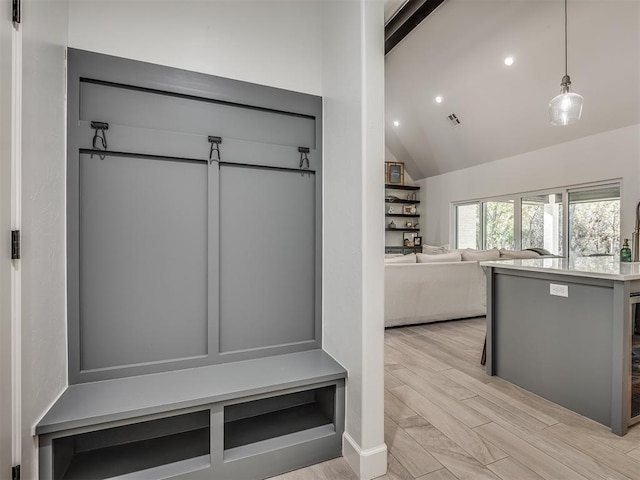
(468, 225)
(579, 221)
(498, 224)
(541, 224)
(594, 221)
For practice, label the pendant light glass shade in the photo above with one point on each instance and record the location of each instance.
(565, 108)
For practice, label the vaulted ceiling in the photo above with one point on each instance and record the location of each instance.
(458, 53)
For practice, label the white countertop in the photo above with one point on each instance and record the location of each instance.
(609, 268)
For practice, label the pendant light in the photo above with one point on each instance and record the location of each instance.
(565, 108)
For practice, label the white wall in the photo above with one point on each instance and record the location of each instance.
(610, 155)
(275, 43)
(43, 266)
(353, 237)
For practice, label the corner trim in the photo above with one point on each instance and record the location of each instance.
(367, 464)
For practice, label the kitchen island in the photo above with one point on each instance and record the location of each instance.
(569, 331)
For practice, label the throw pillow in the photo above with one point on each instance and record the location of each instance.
(411, 258)
(480, 255)
(440, 257)
(434, 250)
(517, 254)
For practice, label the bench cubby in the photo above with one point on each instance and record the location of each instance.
(180, 442)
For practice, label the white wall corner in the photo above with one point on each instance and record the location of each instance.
(367, 464)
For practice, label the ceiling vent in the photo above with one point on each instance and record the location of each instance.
(453, 120)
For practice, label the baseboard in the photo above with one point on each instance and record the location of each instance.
(367, 464)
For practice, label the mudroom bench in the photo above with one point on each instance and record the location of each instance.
(239, 420)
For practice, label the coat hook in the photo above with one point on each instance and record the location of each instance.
(99, 137)
(215, 146)
(304, 159)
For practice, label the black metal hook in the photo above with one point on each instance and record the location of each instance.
(215, 146)
(100, 129)
(304, 159)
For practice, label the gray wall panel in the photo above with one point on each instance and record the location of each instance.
(259, 126)
(557, 347)
(143, 243)
(135, 108)
(267, 258)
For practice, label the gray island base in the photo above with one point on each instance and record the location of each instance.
(568, 331)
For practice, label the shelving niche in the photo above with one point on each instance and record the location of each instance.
(159, 447)
(396, 201)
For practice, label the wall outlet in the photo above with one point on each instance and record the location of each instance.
(558, 290)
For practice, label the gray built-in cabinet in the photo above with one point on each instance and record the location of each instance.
(194, 279)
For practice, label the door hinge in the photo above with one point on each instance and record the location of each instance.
(15, 244)
(16, 12)
(15, 472)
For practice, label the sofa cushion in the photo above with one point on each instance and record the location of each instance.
(434, 250)
(480, 255)
(441, 257)
(411, 258)
(517, 254)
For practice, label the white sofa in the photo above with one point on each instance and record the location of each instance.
(438, 290)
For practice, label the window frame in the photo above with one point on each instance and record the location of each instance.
(517, 199)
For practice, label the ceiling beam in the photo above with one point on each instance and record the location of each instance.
(408, 18)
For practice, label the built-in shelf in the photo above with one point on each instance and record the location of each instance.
(408, 209)
(252, 427)
(112, 452)
(400, 200)
(401, 187)
(401, 249)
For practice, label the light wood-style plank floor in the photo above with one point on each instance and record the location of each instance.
(445, 419)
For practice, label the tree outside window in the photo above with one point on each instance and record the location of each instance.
(498, 225)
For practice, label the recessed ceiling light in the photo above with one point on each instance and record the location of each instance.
(438, 99)
(396, 123)
(508, 61)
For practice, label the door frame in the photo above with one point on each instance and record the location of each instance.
(10, 218)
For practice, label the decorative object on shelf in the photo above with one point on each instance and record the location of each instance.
(411, 196)
(417, 241)
(625, 252)
(409, 225)
(409, 210)
(409, 239)
(394, 173)
(392, 224)
(391, 210)
(565, 108)
(416, 225)
(392, 199)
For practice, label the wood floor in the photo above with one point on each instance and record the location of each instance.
(445, 419)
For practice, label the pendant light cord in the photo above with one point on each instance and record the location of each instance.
(566, 54)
